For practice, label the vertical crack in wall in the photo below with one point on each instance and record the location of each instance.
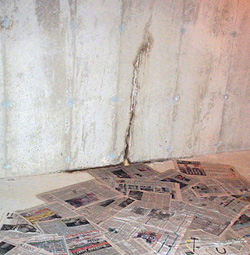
(142, 54)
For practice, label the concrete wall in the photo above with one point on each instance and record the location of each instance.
(87, 83)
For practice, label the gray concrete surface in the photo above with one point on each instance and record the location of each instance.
(193, 79)
(85, 83)
(59, 85)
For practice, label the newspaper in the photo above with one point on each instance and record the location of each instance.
(202, 169)
(235, 186)
(85, 243)
(152, 200)
(211, 222)
(136, 188)
(243, 197)
(209, 187)
(13, 222)
(197, 208)
(149, 216)
(242, 225)
(135, 247)
(102, 211)
(171, 221)
(201, 243)
(135, 171)
(119, 230)
(172, 175)
(125, 186)
(79, 195)
(160, 240)
(228, 205)
(66, 226)
(17, 235)
(156, 201)
(46, 212)
(10, 247)
(51, 243)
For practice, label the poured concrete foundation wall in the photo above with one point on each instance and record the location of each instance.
(89, 83)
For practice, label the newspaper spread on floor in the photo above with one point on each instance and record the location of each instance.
(14, 222)
(13, 247)
(197, 208)
(135, 171)
(79, 195)
(51, 243)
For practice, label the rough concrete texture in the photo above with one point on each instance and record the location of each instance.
(89, 83)
(60, 81)
(190, 79)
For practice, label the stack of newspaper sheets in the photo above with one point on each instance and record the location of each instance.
(195, 208)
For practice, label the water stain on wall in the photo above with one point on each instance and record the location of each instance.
(191, 11)
(222, 17)
(53, 32)
(138, 68)
(48, 14)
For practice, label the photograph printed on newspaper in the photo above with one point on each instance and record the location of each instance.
(172, 175)
(242, 225)
(45, 212)
(79, 195)
(135, 171)
(13, 222)
(10, 246)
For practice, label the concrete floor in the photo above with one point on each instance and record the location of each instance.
(20, 193)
